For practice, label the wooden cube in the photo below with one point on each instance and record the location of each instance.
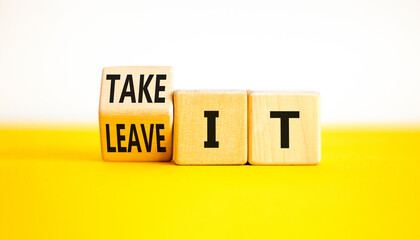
(136, 114)
(210, 127)
(284, 128)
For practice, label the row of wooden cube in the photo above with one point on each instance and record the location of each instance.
(137, 120)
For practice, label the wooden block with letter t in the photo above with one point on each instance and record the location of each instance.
(210, 127)
(136, 114)
(284, 128)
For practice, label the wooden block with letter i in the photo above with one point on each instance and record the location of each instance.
(136, 114)
(210, 127)
(284, 128)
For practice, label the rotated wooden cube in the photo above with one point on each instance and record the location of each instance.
(210, 127)
(136, 113)
(284, 128)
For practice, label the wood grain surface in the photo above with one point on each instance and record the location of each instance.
(191, 127)
(136, 123)
(264, 129)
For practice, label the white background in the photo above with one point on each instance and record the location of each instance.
(363, 56)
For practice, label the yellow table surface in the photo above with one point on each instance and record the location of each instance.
(54, 185)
